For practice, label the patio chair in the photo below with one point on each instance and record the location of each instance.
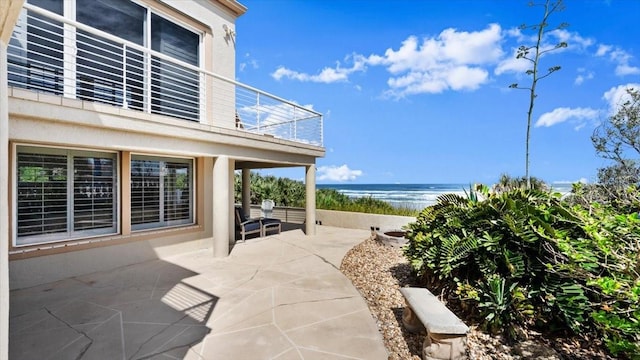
(246, 225)
(271, 224)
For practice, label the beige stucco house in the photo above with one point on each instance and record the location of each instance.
(121, 127)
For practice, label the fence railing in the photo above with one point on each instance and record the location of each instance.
(52, 54)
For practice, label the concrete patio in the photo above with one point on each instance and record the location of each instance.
(279, 297)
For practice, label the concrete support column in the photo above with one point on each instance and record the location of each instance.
(125, 190)
(246, 190)
(4, 204)
(310, 181)
(231, 234)
(9, 13)
(222, 205)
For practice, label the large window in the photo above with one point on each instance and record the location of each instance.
(175, 89)
(108, 68)
(108, 71)
(161, 192)
(64, 194)
(34, 54)
(114, 73)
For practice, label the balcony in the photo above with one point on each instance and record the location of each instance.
(49, 53)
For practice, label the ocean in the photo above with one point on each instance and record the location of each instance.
(415, 196)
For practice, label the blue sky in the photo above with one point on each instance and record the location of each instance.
(417, 91)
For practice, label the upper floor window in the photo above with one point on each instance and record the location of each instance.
(55, 6)
(121, 18)
(46, 55)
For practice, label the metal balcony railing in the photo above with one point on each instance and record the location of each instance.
(49, 53)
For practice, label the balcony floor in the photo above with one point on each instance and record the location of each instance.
(278, 297)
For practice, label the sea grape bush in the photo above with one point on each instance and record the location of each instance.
(525, 259)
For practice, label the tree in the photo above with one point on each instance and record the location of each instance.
(533, 53)
(507, 183)
(618, 139)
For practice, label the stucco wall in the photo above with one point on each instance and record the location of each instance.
(363, 221)
(44, 269)
(344, 219)
(219, 55)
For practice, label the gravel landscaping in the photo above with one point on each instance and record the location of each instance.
(378, 271)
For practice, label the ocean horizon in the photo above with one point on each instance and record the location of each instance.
(414, 196)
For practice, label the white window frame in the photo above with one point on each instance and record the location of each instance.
(70, 234)
(70, 61)
(192, 203)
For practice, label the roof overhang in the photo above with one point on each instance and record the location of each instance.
(234, 6)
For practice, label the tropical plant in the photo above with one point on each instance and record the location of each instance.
(287, 192)
(533, 53)
(624, 199)
(508, 183)
(525, 259)
(618, 138)
(496, 302)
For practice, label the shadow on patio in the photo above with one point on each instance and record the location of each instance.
(132, 312)
(277, 297)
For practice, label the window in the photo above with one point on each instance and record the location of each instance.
(34, 54)
(161, 192)
(104, 68)
(121, 18)
(100, 73)
(175, 88)
(64, 194)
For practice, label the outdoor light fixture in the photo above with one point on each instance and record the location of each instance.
(228, 32)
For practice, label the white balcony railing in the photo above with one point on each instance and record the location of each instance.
(52, 54)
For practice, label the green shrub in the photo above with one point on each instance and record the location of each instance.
(331, 199)
(287, 192)
(526, 259)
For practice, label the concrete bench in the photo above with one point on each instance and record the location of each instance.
(446, 333)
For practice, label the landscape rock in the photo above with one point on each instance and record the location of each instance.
(379, 271)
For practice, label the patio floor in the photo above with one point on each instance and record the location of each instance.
(279, 297)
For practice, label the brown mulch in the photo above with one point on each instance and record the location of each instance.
(378, 271)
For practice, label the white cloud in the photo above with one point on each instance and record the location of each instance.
(452, 60)
(512, 64)
(455, 60)
(466, 78)
(573, 39)
(618, 95)
(580, 117)
(603, 49)
(560, 115)
(248, 62)
(625, 69)
(621, 58)
(337, 173)
(327, 75)
(582, 180)
(517, 34)
(582, 77)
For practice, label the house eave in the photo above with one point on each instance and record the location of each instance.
(233, 5)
